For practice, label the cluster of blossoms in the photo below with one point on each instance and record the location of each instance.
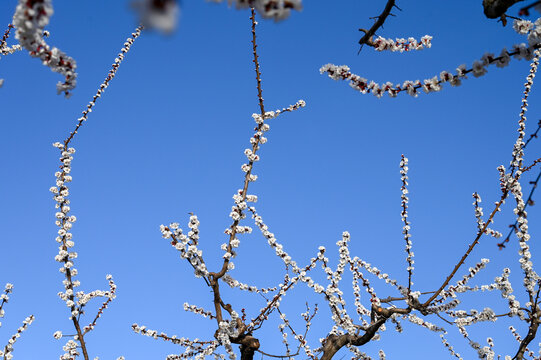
(158, 14)
(485, 352)
(333, 295)
(187, 245)
(479, 217)
(404, 214)
(414, 319)
(227, 330)
(241, 198)
(65, 223)
(4, 297)
(532, 29)
(198, 310)
(401, 45)
(6, 353)
(450, 347)
(8, 349)
(503, 284)
(194, 348)
(463, 318)
(343, 322)
(163, 14)
(233, 283)
(70, 351)
(512, 184)
(75, 301)
(7, 50)
(460, 286)
(269, 9)
(29, 20)
(486, 315)
(443, 307)
(434, 84)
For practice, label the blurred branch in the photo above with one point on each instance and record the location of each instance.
(525, 10)
(494, 9)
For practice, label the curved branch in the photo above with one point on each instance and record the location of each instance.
(524, 11)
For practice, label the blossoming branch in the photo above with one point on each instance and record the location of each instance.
(434, 84)
(6, 352)
(29, 20)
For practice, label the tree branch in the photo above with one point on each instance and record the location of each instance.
(368, 34)
(494, 9)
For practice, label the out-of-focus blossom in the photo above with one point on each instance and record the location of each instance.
(161, 15)
(269, 9)
(29, 20)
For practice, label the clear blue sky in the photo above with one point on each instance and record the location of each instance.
(168, 138)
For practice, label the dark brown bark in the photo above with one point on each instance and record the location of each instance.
(496, 8)
(368, 34)
(248, 348)
(336, 342)
(532, 331)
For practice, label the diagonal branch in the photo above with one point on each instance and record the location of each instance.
(367, 38)
(524, 10)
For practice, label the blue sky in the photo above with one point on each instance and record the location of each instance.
(168, 136)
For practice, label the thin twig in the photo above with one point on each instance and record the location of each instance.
(528, 202)
(105, 83)
(524, 11)
(6, 35)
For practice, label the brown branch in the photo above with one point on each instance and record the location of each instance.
(102, 308)
(534, 134)
(494, 9)
(528, 168)
(248, 343)
(517, 153)
(277, 356)
(333, 343)
(470, 248)
(265, 312)
(255, 146)
(532, 331)
(368, 34)
(256, 62)
(524, 11)
(104, 85)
